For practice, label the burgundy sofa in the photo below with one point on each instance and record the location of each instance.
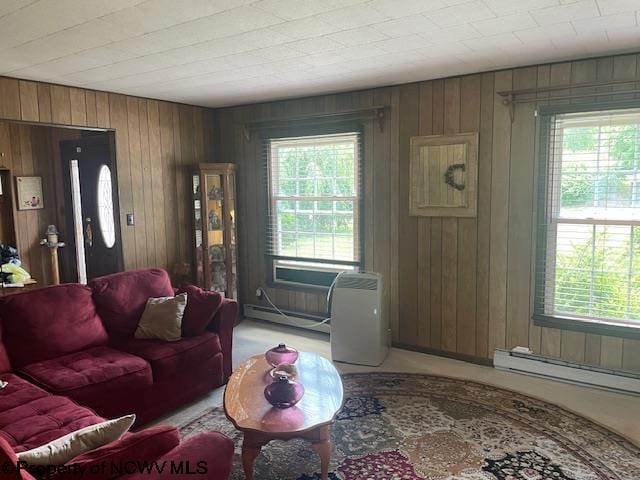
(70, 359)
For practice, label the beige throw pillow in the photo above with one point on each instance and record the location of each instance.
(63, 449)
(162, 318)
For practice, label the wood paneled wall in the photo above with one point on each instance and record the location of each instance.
(157, 144)
(464, 285)
(32, 150)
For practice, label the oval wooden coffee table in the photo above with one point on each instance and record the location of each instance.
(310, 419)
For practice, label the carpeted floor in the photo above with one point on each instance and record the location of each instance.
(406, 427)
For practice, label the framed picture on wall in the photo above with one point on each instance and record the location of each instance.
(29, 192)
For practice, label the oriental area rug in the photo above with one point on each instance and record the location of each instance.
(413, 427)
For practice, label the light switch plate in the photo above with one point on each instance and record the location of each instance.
(130, 222)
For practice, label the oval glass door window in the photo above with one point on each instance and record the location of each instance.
(105, 207)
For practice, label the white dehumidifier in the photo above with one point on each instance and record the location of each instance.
(359, 331)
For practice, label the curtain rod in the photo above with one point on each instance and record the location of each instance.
(377, 112)
(510, 97)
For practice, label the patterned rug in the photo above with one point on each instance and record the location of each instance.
(410, 427)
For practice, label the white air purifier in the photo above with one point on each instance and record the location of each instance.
(359, 331)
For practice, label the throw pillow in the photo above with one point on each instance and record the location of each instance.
(162, 318)
(201, 308)
(63, 449)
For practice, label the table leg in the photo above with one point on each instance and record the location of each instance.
(323, 448)
(250, 450)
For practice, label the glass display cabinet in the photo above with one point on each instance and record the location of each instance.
(214, 215)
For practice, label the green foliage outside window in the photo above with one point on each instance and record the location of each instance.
(323, 226)
(599, 278)
(597, 274)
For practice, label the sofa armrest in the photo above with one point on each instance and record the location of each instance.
(109, 461)
(207, 456)
(222, 324)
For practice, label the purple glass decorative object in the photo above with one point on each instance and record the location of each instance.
(283, 393)
(281, 354)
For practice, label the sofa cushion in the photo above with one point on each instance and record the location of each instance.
(92, 377)
(162, 318)
(121, 298)
(201, 308)
(172, 359)
(48, 322)
(60, 450)
(30, 416)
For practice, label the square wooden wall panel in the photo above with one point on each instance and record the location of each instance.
(443, 175)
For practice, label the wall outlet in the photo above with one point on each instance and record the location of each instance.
(130, 221)
(259, 293)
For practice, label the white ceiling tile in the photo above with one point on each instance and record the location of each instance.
(494, 42)
(315, 45)
(566, 13)
(624, 36)
(403, 8)
(305, 28)
(607, 23)
(357, 36)
(277, 52)
(85, 60)
(400, 44)
(174, 12)
(352, 17)
(406, 25)
(583, 44)
(507, 23)
(446, 50)
(458, 14)
(362, 51)
(122, 69)
(289, 10)
(608, 7)
(320, 59)
(219, 52)
(241, 60)
(8, 6)
(453, 34)
(547, 32)
(508, 7)
(454, 2)
(220, 47)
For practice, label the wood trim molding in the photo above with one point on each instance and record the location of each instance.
(585, 326)
(487, 362)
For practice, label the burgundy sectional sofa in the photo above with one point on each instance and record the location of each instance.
(70, 359)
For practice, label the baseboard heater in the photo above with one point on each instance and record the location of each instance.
(621, 381)
(292, 319)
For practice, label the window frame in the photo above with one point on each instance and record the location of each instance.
(299, 283)
(544, 236)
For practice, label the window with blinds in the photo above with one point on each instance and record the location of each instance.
(588, 262)
(314, 206)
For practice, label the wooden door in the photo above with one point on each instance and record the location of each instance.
(92, 206)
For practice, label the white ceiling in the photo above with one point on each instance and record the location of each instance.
(226, 52)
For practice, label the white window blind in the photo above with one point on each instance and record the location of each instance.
(588, 262)
(314, 200)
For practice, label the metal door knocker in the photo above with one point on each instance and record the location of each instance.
(448, 176)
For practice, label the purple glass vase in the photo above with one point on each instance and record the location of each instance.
(281, 354)
(283, 393)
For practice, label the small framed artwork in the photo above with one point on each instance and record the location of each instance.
(443, 175)
(29, 193)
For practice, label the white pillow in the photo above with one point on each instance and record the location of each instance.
(162, 318)
(63, 449)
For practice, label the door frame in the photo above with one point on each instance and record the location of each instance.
(67, 219)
